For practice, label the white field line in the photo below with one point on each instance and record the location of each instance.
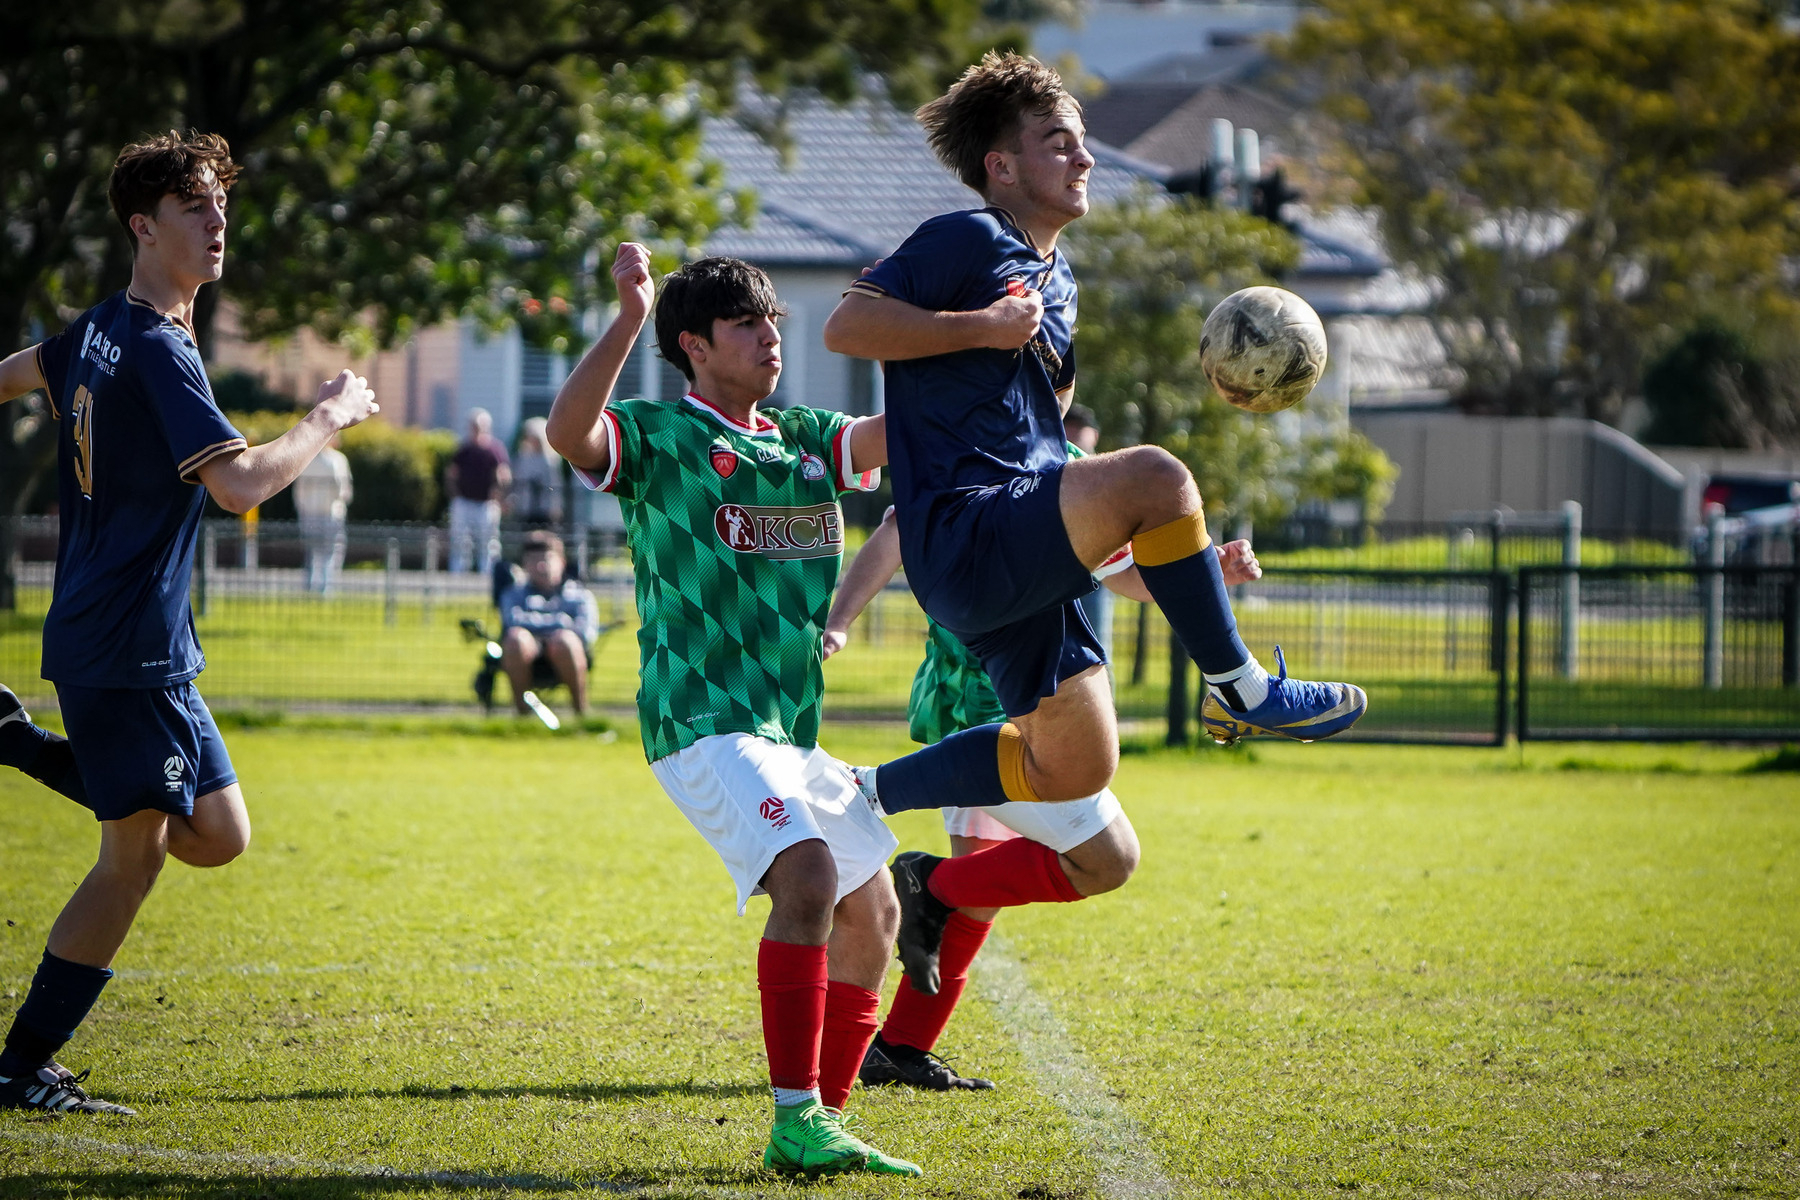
(1127, 1163)
(287, 1163)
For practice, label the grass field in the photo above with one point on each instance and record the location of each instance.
(459, 965)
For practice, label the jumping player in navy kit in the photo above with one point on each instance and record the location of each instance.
(974, 317)
(141, 444)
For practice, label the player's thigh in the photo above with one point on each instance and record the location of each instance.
(1106, 499)
(1072, 737)
(1112, 853)
(143, 749)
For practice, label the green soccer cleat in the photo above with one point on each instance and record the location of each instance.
(809, 1139)
(877, 1163)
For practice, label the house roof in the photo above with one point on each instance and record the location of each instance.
(857, 179)
(1170, 124)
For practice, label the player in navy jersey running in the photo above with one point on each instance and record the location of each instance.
(141, 444)
(974, 316)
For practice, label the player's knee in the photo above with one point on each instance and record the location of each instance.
(1111, 869)
(1162, 488)
(216, 849)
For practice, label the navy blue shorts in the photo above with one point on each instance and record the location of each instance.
(1005, 584)
(139, 748)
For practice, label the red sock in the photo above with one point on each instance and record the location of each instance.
(792, 981)
(1019, 871)
(851, 1015)
(918, 1020)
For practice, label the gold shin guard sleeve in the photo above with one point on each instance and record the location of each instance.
(1169, 543)
(1012, 766)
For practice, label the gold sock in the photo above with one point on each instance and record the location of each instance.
(1012, 766)
(1180, 538)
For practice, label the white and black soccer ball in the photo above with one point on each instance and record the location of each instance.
(1263, 348)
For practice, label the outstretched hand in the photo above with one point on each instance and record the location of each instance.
(347, 400)
(1237, 562)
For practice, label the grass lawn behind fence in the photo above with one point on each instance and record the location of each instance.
(474, 966)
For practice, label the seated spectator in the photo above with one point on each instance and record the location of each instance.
(548, 625)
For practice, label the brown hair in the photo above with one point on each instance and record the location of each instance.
(167, 164)
(986, 107)
(542, 541)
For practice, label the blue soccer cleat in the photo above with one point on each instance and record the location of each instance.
(1294, 708)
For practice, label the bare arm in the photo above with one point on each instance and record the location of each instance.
(870, 571)
(890, 330)
(576, 429)
(868, 445)
(19, 374)
(241, 481)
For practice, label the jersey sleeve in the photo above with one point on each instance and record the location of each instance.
(182, 401)
(1065, 374)
(53, 365)
(834, 431)
(938, 267)
(624, 453)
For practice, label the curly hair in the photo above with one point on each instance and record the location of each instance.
(167, 164)
(708, 290)
(988, 107)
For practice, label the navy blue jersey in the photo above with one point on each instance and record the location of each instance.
(138, 420)
(975, 418)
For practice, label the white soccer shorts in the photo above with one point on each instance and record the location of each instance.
(751, 798)
(1062, 826)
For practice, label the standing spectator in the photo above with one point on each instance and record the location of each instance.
(1083, 431)
(477, 477)
(548, 624)
(537, 481)
(322, 500)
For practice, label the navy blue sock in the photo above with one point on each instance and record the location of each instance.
(61, 995)
(963, 769)
(44, 756)
(1191, 593)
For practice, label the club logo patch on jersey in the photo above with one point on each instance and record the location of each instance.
(774, 812)
(812, 467)
(780, 533)
(172, 769)
(724, 460)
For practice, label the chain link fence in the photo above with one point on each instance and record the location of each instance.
(1447, 656)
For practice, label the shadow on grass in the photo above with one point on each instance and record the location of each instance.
(457, 1091)
(243, 1185)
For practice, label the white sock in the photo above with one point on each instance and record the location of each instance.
(788, 1097)
(1244, 688)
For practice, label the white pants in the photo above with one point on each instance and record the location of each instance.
(1062, 826)
(474, 532)
(751, 798)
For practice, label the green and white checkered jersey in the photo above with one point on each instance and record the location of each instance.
(735, 537)
(950, 690)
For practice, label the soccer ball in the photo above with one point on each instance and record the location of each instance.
(1263, 348)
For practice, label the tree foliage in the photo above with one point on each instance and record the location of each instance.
(1712, 388)
(1583, 177)
(1150, 271)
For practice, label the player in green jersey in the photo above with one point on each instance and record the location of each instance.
(731, 514)
(1035, 852)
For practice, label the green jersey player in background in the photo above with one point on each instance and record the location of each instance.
(1057, 852)
(731, 514)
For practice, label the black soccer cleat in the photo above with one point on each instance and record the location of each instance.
(887, 1063)
(922, 917)
(52, 1089)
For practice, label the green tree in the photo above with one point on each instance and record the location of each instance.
(404, 160)
(1150, 271)
(1581, 177)
(1712, 388)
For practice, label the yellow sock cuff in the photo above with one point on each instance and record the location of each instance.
(1012, 766)
(1180, 538)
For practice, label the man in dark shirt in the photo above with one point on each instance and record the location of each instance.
(141, 444)
(478, 475)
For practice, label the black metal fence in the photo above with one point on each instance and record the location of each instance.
(1447, 656)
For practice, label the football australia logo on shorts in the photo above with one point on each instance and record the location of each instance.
(172, 769)
(774, 812)
(780, 533)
